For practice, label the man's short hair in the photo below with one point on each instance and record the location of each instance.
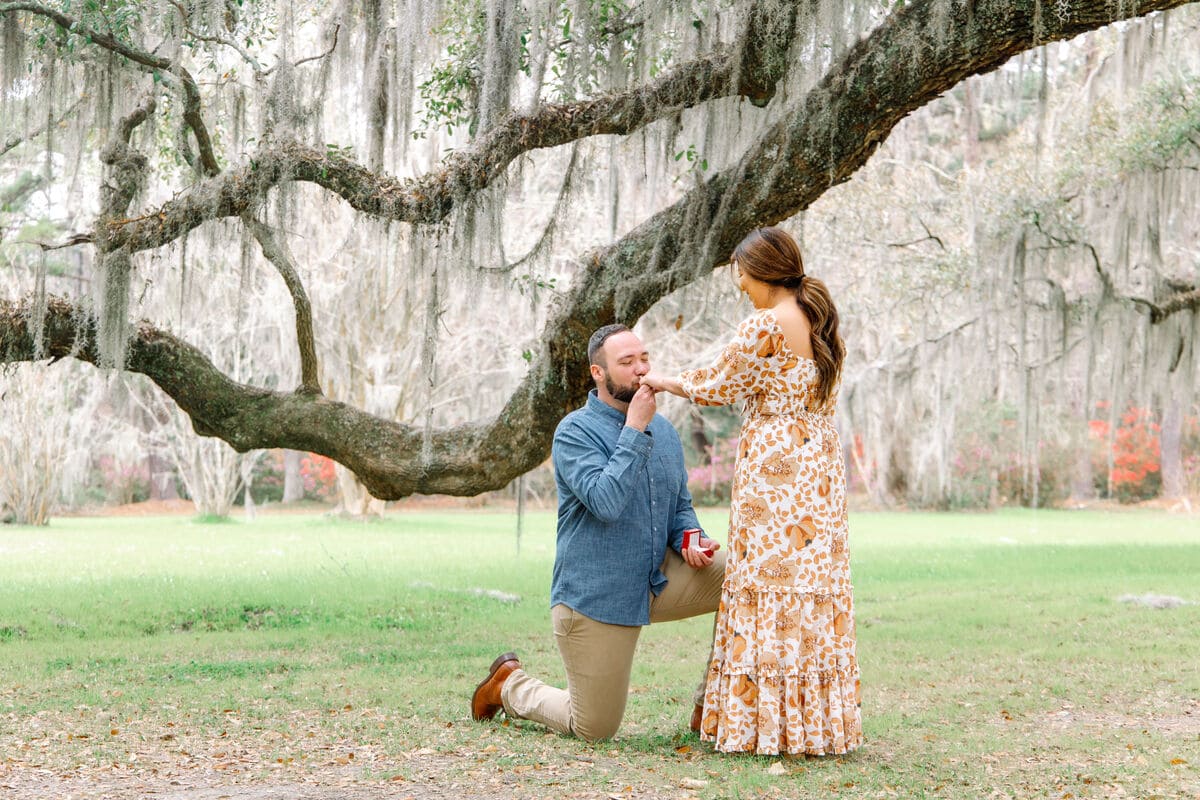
(596, 343)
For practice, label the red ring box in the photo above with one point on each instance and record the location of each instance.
(691, 541)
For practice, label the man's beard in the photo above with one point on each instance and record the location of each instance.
(622, 393)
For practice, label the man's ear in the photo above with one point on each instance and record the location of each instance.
(597, 373)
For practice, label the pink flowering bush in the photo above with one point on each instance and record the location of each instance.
(711, 484)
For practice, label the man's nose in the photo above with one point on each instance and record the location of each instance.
(641, 369)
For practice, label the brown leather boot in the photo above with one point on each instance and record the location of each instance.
(697, 718)
(486, 703)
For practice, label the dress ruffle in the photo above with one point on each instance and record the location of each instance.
(784, 678)
(811, 714)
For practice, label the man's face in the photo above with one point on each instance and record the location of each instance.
(625, 362)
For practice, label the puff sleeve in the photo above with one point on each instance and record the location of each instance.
(737, 372)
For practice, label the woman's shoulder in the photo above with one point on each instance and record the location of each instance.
(762, 319)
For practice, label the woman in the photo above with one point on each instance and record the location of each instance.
(783, 677)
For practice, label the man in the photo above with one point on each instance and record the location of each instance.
(623, 505)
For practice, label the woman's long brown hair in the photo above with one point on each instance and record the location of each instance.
(772, 256)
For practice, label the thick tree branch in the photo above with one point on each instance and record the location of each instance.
(752, 71)
(379, 451)
(1183, 301)
(124, 177)
(277, 252)
(147, 61)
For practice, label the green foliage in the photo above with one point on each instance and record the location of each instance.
(450, 94)
(694, 158)
(1159, 130)
(531, 284)
(116, 18)
(577, 61)
(1163, 125)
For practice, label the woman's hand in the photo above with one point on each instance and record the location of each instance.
(661, 383)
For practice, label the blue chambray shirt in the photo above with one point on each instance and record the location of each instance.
(622, 500)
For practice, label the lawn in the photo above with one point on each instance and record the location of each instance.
(160, 655)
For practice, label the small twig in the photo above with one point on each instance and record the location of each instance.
(14, 141)
(230, 43)
(337, 27)
(74, 239)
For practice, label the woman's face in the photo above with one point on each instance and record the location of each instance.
(754, 289)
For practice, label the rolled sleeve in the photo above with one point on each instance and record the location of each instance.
(603, 484)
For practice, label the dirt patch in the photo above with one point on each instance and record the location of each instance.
(1185, 724)
(32, 786)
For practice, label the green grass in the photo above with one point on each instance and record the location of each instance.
(996, 661)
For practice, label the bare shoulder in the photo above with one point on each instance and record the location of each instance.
(794, 325)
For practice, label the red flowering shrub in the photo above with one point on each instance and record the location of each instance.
(1136, 455)
(320, 482)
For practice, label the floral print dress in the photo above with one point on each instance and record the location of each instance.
(783, 676)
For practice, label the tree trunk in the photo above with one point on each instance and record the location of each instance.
(1173, 484)
(293, 481)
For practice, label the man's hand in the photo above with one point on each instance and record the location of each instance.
(695, 558)
(641, 408)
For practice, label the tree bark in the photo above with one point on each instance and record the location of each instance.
(293, 482)
(1171, 450)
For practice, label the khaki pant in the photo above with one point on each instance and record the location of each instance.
(598, 657)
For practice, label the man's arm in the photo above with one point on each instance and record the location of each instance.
(602, 483)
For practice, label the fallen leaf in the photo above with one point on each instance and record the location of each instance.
(693, 783)
(684, 750)
(1177, 761)
(777, 769)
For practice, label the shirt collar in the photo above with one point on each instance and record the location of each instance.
(598, 406)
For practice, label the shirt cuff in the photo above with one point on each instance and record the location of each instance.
(641, 441)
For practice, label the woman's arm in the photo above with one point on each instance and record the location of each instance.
(661, 383)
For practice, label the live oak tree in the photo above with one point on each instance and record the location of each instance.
(211, 115)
